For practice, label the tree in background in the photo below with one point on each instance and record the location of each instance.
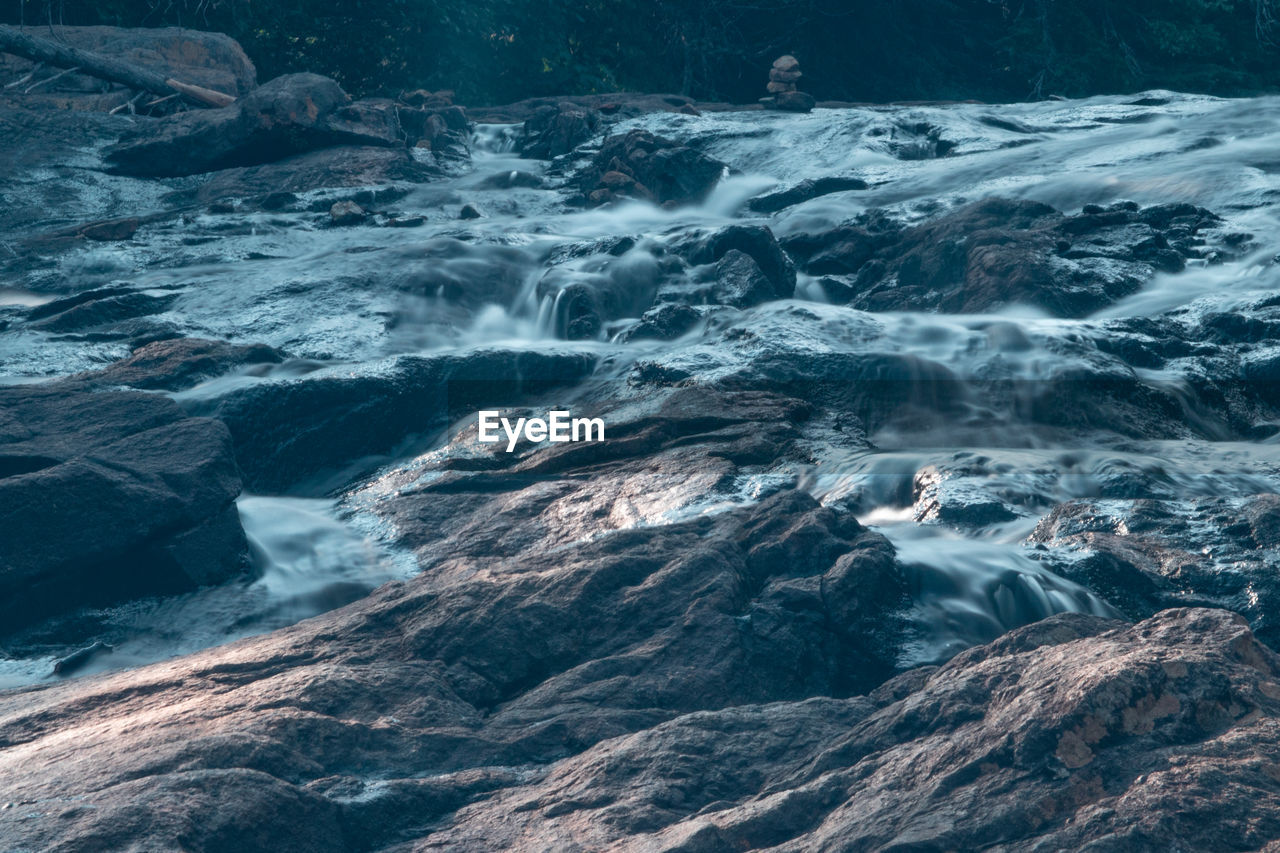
(493, 51)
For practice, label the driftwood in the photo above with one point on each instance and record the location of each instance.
(19, 43)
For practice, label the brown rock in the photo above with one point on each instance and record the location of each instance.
(779, 76)
(779, 88)
(346, 213)
(115, 229)
(796, 102)
(786, 62)
(616, 180)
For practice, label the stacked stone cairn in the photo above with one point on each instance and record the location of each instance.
(783, 94)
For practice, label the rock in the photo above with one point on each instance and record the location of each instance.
(212, 60)
(795, 102)
(996, 253)
(81, 658)
(428, 100)
(663, 171)
(512, 180)
(289, 115)
(118, 496)
(689, 110)
(556, 130)
(346, 213)
(175, 365)
(104, 311)
(664, 322)
(1147, 553)
(739, 281)
(445, 131)
(804, 191)
(942, 496)
(470, 211)
(782, 87)
(330, 168)
(113, 230)
(1035, 726)
(755, 241)
(294, 432)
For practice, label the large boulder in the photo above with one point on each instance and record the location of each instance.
(639, 164)
(556, 130)
(289, 115)
(109, 496)
(212, 60)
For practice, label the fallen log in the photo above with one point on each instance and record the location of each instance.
(37, 49)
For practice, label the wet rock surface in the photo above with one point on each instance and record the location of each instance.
(641, 165)
(906, 410)
(997, 253)
(289, 115)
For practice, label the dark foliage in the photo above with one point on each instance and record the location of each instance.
(493, 51)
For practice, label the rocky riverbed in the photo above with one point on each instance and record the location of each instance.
(937, 507)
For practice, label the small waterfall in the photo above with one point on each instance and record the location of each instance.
(967, 592)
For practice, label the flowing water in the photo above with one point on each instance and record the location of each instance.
(345, 300)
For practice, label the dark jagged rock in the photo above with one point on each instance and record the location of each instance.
(445, 132)
(739, 281)
(290, 115)
(556, 130)
(642, 165)
(110, 496)
(1153, 552)
(941, 496)
(996, 253)
(1179, 710)
(755, 241)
